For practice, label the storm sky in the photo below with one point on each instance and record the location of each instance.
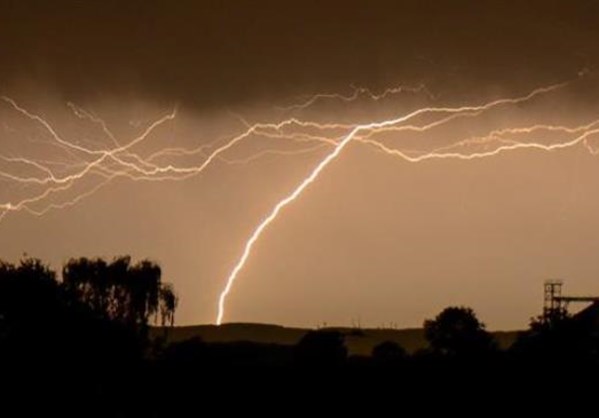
(375, 240)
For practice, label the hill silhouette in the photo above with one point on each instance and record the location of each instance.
(358, 341)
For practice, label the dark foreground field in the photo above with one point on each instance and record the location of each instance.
(84, 346)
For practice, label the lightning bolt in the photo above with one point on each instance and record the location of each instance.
(45, 180)
(286, 201)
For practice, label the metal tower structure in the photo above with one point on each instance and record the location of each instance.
(551, 302)
(554, 304)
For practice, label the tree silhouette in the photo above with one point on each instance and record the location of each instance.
(168, 305)
(556, 318)
(30, 301)
(121, 291)
(456, 331)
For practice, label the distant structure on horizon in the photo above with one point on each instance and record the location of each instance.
(556, 304)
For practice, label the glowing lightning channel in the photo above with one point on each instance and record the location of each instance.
(258, 232)
(120, 161)
(357, 92)
(344, 142)
(310, 179)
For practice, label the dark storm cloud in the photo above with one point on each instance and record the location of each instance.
(214, 52)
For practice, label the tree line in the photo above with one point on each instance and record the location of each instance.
(89, 329)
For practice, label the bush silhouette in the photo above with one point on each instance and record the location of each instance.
(321, 348)
(562, 339)
(389, 353)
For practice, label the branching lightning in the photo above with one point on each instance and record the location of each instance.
(41, 185)
(357, 93)
(378, 127)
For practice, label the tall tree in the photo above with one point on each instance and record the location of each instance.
(121, 291)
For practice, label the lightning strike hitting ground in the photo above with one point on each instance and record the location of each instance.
(52, 184)
(378, 127)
